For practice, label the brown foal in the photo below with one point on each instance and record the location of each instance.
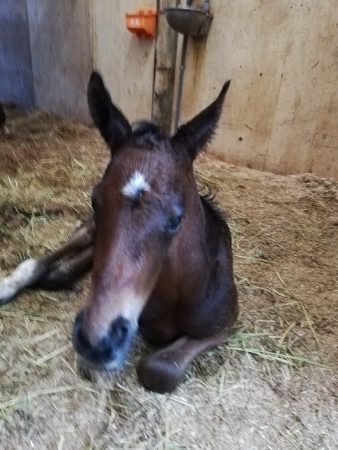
(160, 253)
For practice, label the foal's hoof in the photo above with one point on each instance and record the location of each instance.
(159, 374)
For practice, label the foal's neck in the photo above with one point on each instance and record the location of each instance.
(195, 218)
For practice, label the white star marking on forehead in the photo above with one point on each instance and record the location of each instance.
(136, 185)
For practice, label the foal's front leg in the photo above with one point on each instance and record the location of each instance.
(33, 272)
(62, 275)
(82, 238)
(163, 370)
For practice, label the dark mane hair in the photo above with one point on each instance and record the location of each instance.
(147, 134)
(218, 216)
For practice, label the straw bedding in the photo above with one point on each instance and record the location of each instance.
(272, 385)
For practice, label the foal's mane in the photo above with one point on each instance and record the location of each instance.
(148, 135)
(209, 203)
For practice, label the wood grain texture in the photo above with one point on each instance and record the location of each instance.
(125, 61)
(60, 38)
(281, 113)
(16, 80)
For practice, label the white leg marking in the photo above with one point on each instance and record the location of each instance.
(24, 275)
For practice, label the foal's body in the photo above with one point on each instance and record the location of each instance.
(194, 303)
(161, 254)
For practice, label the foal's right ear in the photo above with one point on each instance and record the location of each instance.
(195, 135)
(109, 120)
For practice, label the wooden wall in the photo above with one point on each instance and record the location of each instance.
(61, 47)
(16, 81)
(281, 112)
(126, 62)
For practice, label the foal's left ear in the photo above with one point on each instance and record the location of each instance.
(195, 135)
(110, 121)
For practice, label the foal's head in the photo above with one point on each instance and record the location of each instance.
(139, 206)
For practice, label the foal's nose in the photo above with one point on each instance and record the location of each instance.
(110, 350)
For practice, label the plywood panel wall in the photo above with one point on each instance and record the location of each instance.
(16, 81)
(281, 113)
(60, 36)
(126, 62)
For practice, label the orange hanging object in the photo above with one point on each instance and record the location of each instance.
(142, 23)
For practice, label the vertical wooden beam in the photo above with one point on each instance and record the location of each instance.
(164, 71)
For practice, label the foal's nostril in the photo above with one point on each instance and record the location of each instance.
(120, 329)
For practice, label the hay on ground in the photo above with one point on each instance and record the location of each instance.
(273, 385)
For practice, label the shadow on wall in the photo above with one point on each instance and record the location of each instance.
(61, 49)
(16, 78)
(46, 55)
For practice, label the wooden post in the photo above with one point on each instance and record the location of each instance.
(164, 72)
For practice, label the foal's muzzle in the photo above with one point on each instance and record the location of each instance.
(110, 351)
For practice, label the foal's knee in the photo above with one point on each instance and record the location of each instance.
(84, 234)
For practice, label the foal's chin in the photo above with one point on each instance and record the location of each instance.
(98, 372)
(108, 367)
(94, 372)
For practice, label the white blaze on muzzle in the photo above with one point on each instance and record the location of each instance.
(131, 306)
(103, 311)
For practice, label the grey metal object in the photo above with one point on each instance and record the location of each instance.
(180, 83)
(193, 22)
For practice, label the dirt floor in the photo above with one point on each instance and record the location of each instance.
(272, 386)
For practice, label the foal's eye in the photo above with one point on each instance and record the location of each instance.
(174, 223)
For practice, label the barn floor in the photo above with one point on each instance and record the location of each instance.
(272, 386)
